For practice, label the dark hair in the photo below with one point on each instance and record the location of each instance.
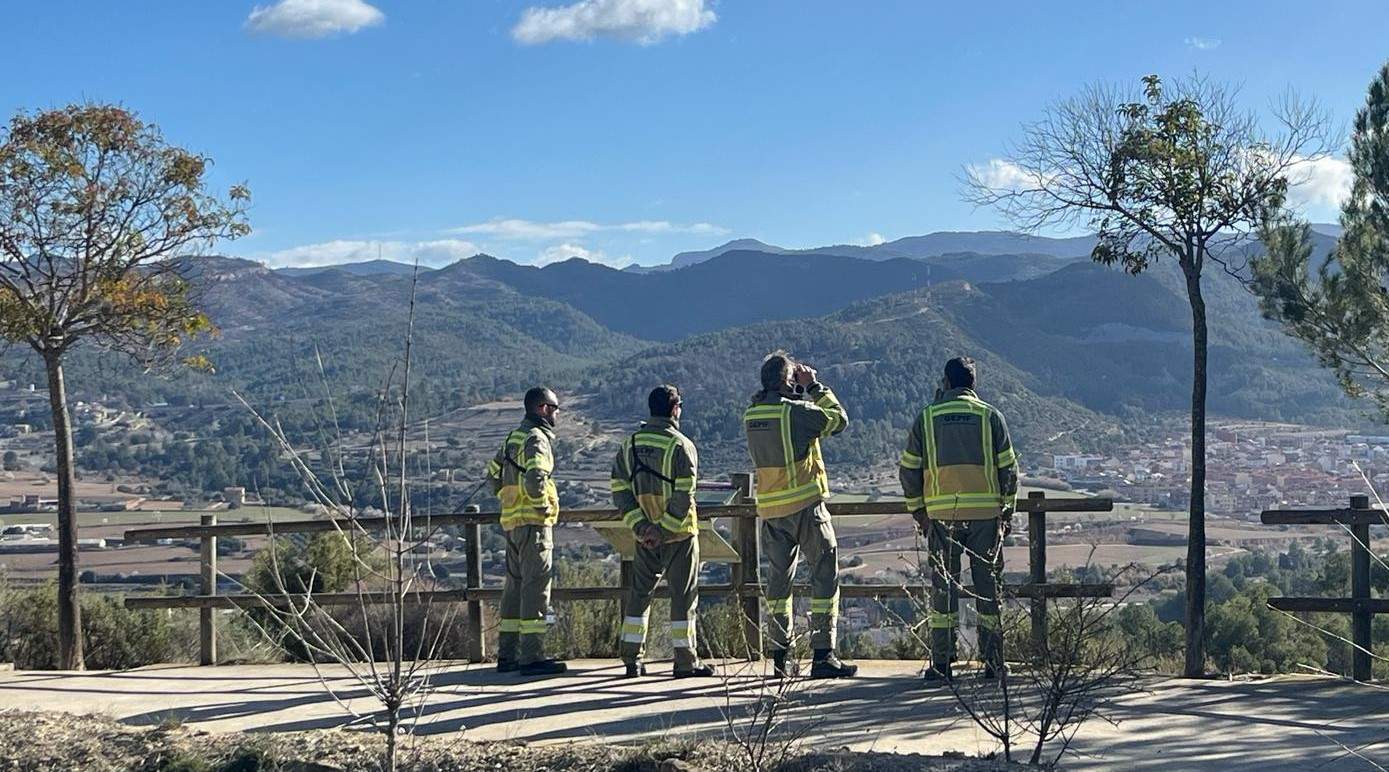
(959, 373)
(662, 400)
(776, 369)
(537, 396)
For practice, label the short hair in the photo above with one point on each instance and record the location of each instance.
(960, 373)
(662, 400)
(537, 396)
(776, 370)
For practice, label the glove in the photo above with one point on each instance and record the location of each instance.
(1007, 521)
(922, 522)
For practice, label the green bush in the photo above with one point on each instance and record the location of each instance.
(113, 637)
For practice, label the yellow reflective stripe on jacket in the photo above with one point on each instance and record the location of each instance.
(653, 499)
(1006, 459)
(798, 483)
(517, 506)
(835, 422)
(909, 460)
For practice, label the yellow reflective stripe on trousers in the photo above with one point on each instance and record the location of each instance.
(532, 627)
(938, 620)
(633, 629)
(828, 605)
(779, 606)
(989, 621)
(509, 625)
(682, 634)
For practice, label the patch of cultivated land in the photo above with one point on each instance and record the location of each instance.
(54, 741)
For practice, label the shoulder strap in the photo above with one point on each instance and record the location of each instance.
(638, 466)
(506, 453)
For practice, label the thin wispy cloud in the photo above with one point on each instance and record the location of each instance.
(430, 253)
(307, 19)
(645, 22)
(1203, 44)
(514, 229)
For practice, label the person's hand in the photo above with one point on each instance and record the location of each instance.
(649, 536)
(804, 375)
(1007, 522)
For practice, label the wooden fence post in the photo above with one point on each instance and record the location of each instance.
(207, 619)
(1360, 618)
(472, 545)
(745, 578)
(1037, 563)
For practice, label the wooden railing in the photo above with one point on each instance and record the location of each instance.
(1356, 519)
(744, 585)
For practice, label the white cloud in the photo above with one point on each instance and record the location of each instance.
(874, 239)
(512, 229)
(642, 21)
(313, 18)
(1319, 186)
(561, 252)
(1202, 44)
(1001, 175)
(429, 253)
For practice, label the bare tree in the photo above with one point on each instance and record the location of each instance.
(393, 655)
(95, 211)
(1178, 171)
(1046, 690)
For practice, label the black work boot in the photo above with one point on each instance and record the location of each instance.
(699, 670)
(781, 668)
(827, 665)
(543, 667)
(937, 675)
(635, 670)
(507, 665)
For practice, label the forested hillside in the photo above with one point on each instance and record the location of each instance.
(1070, 350)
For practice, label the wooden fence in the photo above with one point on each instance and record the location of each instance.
(744, 585)
(1356, 519)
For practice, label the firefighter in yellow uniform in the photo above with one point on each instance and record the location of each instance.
(521, 475)
(653, 483)
(784, 425)
(959, 474)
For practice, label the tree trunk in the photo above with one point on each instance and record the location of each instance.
(1196, 525)
(69, 611)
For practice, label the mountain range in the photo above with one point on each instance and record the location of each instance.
(1077, 354)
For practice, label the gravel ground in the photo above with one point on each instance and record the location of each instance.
(59, 741)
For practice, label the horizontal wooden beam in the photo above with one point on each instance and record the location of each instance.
(857, 509)
(494, 594)
(1324, 517)
(1342, 605)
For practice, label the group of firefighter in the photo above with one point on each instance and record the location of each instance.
(958, 473)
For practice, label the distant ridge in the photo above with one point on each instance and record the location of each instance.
(911, 247)
(364, 268)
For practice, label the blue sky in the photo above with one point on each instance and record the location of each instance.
(628, 130)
